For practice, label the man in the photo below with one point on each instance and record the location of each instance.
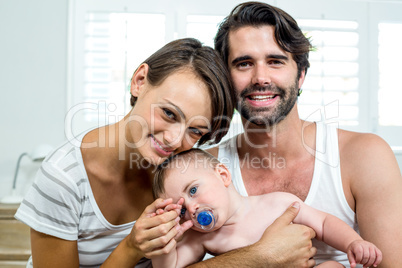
(351, 175)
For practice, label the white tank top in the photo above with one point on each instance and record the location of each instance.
(326, 192)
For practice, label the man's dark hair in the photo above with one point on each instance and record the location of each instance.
(256, 14)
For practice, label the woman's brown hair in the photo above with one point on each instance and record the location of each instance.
(205, 62)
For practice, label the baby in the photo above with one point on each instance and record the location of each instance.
(223, 220)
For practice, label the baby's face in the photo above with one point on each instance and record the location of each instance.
(199, 187)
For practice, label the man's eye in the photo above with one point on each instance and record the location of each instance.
(193, 190)
(243, 64)
(169, 113)
(275, 62)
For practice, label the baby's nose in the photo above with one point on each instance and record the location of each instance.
(192, 208)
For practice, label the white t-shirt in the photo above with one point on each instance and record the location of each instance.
(60, 203)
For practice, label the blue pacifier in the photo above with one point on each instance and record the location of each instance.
(205, 219)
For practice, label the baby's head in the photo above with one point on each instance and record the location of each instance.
(186, 163)
(197, 177)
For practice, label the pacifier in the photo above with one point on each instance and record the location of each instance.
(204, 219)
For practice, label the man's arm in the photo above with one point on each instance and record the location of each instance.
(371, 172)
(282, 245)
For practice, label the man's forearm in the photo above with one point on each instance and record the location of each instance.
(242, 257)
(282, 245)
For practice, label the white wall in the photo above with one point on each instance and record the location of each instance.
(33, 59)
(399, 159)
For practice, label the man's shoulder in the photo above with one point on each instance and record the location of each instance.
(351, 142)
(360, 152)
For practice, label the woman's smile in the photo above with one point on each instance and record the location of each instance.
(160, 147)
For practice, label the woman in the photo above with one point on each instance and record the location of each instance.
(88, 204)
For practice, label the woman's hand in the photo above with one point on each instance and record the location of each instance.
(182, 226)
(153, 233)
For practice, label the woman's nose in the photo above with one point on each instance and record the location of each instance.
(173, 137)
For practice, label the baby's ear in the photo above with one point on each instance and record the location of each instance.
(224, 174)
(138, 79)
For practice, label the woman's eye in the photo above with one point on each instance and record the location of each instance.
(196, 131)
(193, 190)
(169, 113)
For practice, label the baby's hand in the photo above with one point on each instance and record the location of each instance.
(181, 227)
(363, 252)
(170, 207)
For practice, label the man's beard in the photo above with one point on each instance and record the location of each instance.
(268, 116)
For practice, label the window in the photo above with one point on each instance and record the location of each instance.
(385, 42)
(203, 27)
(333, 74)
(390, 88)
(352, 80)
(107, 48)
(111, 52)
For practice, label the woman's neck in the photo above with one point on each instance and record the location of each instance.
(111, 151)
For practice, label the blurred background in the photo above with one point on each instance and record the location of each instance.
(65, 65)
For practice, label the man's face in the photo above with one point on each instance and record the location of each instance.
(264, 75)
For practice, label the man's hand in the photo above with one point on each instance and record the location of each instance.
(286, 244)
(283, 244)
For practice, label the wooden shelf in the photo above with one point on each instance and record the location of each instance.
(7, 211)
(13, 264)
(15, 247)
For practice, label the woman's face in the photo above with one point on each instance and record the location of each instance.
(171, 117)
